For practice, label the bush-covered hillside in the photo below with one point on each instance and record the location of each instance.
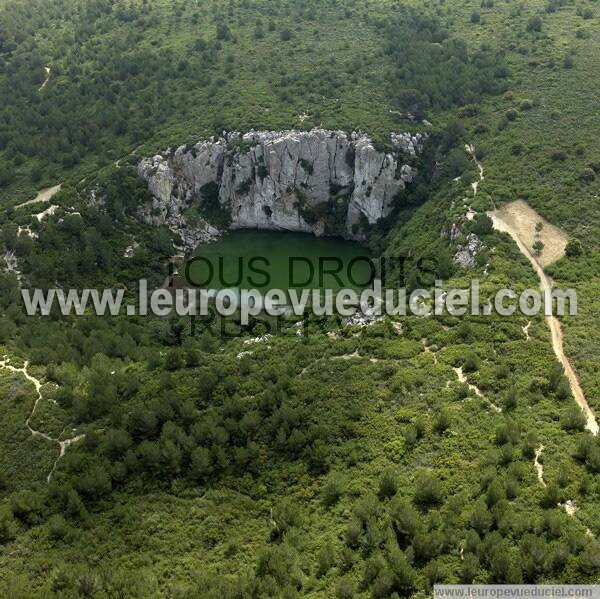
(347, 461)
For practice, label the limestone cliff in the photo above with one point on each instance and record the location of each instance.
(321, 182)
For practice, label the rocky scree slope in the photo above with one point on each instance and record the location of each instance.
(321, 182)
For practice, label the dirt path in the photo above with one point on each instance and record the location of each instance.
(539, 467)
(44, 195)
(46, 80)
(346, 357)
(546, 283)
(463, 379)
(63, 445)
(118, 162)
(475, 185)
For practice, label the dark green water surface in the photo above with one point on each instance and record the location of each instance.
(264, 260)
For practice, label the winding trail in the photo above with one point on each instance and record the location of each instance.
(118, 162)
(63, 445)
(45, 80)
(470, 148)
(546, 284)
(539, 467)
(346, 357)
(525, 330)
(463, 379)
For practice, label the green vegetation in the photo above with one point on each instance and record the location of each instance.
(348, 461)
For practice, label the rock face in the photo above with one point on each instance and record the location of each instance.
(466, 255)
(320, 182)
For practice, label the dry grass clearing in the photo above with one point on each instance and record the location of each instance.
(523, 219)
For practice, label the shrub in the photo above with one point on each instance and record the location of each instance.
(558, 156)
(325, 559)
(332, 490)
(481, 519)
(538, 247)
(388, 485)
(475, 17)
(6, 176)
(201, 464)
(511, 114)
(87, 585)
(510, 401)
(428, 490)
(495, 492)
(471, 363)
(573, 419)
(568, 62)
(563, 391)
(285, 516)
(482, 225)
(433, 572)
(173, 360)
(534, 24)
(526, 104)
(95, 483)
(469, 568)
(116, 443)
(405, 520)
(539, 227)
(223, 32)
(563, 477)
(469, 110)
(583, 448)
(512, 488)
(587, 175)
(57, 528)
(574, 248)
(352, 536)
(592, 460)
(557, 374)
(26, 506)
(279, 563)
(507, 432)
(8, 527)
(345, 589)
(441, 422)
(551, 496)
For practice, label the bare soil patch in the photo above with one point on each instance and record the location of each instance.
(523, 219)
(44, 195)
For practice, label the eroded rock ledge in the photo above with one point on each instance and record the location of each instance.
(321, 182)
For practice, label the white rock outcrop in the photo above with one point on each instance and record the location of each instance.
(466, 254)
(319, 181)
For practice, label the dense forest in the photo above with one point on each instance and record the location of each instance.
(344, 461)
(118, 81)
